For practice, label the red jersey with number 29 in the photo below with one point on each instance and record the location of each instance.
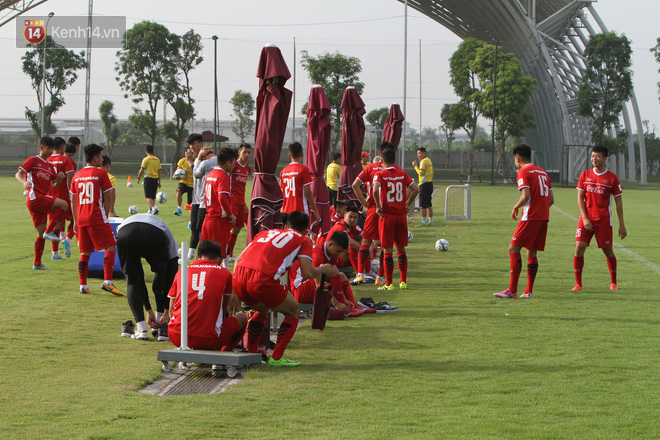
(393, 184)
(598, 191)
(88, 186)
(273, 252)
(207, 282)
(535, 178)
(367, 176)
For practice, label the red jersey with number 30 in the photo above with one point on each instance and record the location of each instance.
(598, 191)
(535, 178)
(367, 176)
(273, 252)
(238, 179)
(88, 186)
(293, 178)
(393, 184)
(61, 163)
(39, 173)
(207, 282)
(217, 190)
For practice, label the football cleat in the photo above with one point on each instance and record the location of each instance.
(142, 336)
(379, 281)
(383, 307)
(282, 362)
(85, 291)
(40, 267)
(178, 211)
(526, 295)
(357, 280)
(368, 279)
(367, 302)
(386, 287)
(506, 294)
(577, 287)
(51, 236)
(403, 285)
(613, 286)
(112, 289)
(66, 243)
(57, 257)
(162, 333)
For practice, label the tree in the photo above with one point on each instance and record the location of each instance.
(108, 118)
(606, 83)
(127, 135)
(449, 125)
(334, 72)
(430, 136)
(243, 104)
(656, 52)
(61, 67)
(376, 118)
(147, 61)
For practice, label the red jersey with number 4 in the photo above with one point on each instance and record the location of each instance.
(273, 252)
(207, 282)
(238, 179)
(216, 188)
(393, 184)
(39, 173)
(535, 178)
(65, 165)
(293, 178)
(367, 176)
(88, 186)
(598, 191)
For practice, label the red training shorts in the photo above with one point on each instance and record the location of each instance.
(530, 234)
(95, 237)
(39, 208)
(229, 328)
(254, 286)
(370, 229)
(238, 209)
(306, 292)
(602, 231)
(393, 229)
(216, 229)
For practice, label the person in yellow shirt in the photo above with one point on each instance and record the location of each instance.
(332, 177)
(150, 168)
(425, 171)
(105, 165)
(185, 183)
(365, 159)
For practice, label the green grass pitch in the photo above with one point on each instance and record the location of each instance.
(454, 362)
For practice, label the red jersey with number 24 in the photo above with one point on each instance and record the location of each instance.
(88, 186)
(293, 179)
(393, 184)
(598, 191)
(273, 252)
(535, 178)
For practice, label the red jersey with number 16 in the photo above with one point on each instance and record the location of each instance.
(273, 252)
(88, 186)
(293, 179)
(598, 191)
(393, 184)
(535, 178)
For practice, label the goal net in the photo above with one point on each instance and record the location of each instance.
(458, 202)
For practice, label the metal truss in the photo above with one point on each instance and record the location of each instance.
(10, 9)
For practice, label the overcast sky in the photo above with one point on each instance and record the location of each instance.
(368, 29)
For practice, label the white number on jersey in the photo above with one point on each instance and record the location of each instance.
(289, 187)
(281, 238)
(85, 193)
(199, 284)
(394, 192)
(208, 189)
(543, 185)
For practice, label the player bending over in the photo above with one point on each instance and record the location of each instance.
(535, 200)
(257, 280)
(59, 216)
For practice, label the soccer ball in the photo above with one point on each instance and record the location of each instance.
(410, 236)
(442, 245)
(132, 209)
(375, 265)
(161, 197)
(180, 174)
(25, 193)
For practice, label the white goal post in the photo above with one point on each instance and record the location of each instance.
(458, 202)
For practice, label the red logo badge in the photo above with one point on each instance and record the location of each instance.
(34, 31)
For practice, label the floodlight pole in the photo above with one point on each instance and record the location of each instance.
(492, 156)
(215, 99)
(43, 78)
(405, 78)
(88, 72)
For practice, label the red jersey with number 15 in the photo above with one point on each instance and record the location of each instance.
(273, 252)
(367, 176)
(88, 186)
(535, 178)
(598, 191)
(238, 179)
(393, 184)
(293, 179)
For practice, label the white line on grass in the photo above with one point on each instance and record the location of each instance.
(637, 257)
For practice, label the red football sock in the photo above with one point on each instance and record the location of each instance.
(348, 292)
(233, 342)
(578, 265)
(353, 258)
(55, 245)
(232, 243)
(363, 258)
(381, 266)
(402, 262)
(389, 268)
(39, 245)
(374, 252)
(70, 233)
(336, 284)
(51, 223)
(284, 334)
(611, 263)
(532, 268)
(516, 265)
(83, 266)
(255, 328)
(108, 265)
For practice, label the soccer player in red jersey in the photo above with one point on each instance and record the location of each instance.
(535, 200)
(37, 176)
(92, 195)
(349, 225)
(370, 229)
(217, 195)
(209, 328)
(296, 184)
(239, 177)
(394, 192)
(596, 188)
(257, 280)
(59, 216)
(70, 151)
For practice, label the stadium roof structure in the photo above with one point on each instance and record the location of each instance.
(549, 37)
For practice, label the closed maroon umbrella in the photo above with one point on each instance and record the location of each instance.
(393, 125)
(352, 138)
(318, 142)
(273, 104)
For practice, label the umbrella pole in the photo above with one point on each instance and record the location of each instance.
(215, 94)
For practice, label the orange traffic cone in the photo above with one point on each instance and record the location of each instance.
(129, 184)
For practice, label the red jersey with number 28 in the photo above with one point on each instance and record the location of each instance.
(598, 191)
(39, 173)
(293, 179)
(367, 176)
(207, 282)
(273, 252)
(88, 186)
(217, 190)
(393, 184)
(535, 178)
